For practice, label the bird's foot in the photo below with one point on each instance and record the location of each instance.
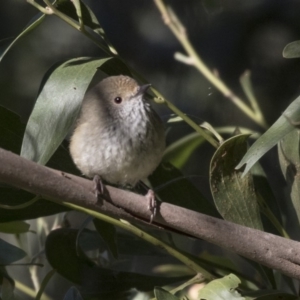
(99, 187)
(152, 204)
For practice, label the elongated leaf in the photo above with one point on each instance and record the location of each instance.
(37, 20)
(292, 50)
(289, 159)
(234, 196)
(57, 107)
(222, 289)
(271, 137)
(9, 253)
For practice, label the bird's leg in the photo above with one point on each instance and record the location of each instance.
(150, 196)
(99, 187)
(152, 204)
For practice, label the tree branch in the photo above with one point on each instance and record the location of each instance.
(265, 248)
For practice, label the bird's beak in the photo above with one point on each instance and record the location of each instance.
(142, 89)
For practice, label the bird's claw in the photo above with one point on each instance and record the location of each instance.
(152, 205)
(98, 186)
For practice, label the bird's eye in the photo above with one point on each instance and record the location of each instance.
(118, 100)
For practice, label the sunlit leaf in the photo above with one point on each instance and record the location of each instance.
(221, 289)
(270, 138)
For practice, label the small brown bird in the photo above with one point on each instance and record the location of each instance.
(118, 136)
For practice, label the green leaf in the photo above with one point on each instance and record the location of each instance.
(14, 227)
(292, 50)
(37, 20)
(223, 266)
(57, 107)
(234, 196)
(271, 137)
(10, 253)
(289, 159)
(162, 294)
(221, 289)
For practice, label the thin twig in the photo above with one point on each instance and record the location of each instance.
(160, 99)
(171, 20)
(248, 90)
